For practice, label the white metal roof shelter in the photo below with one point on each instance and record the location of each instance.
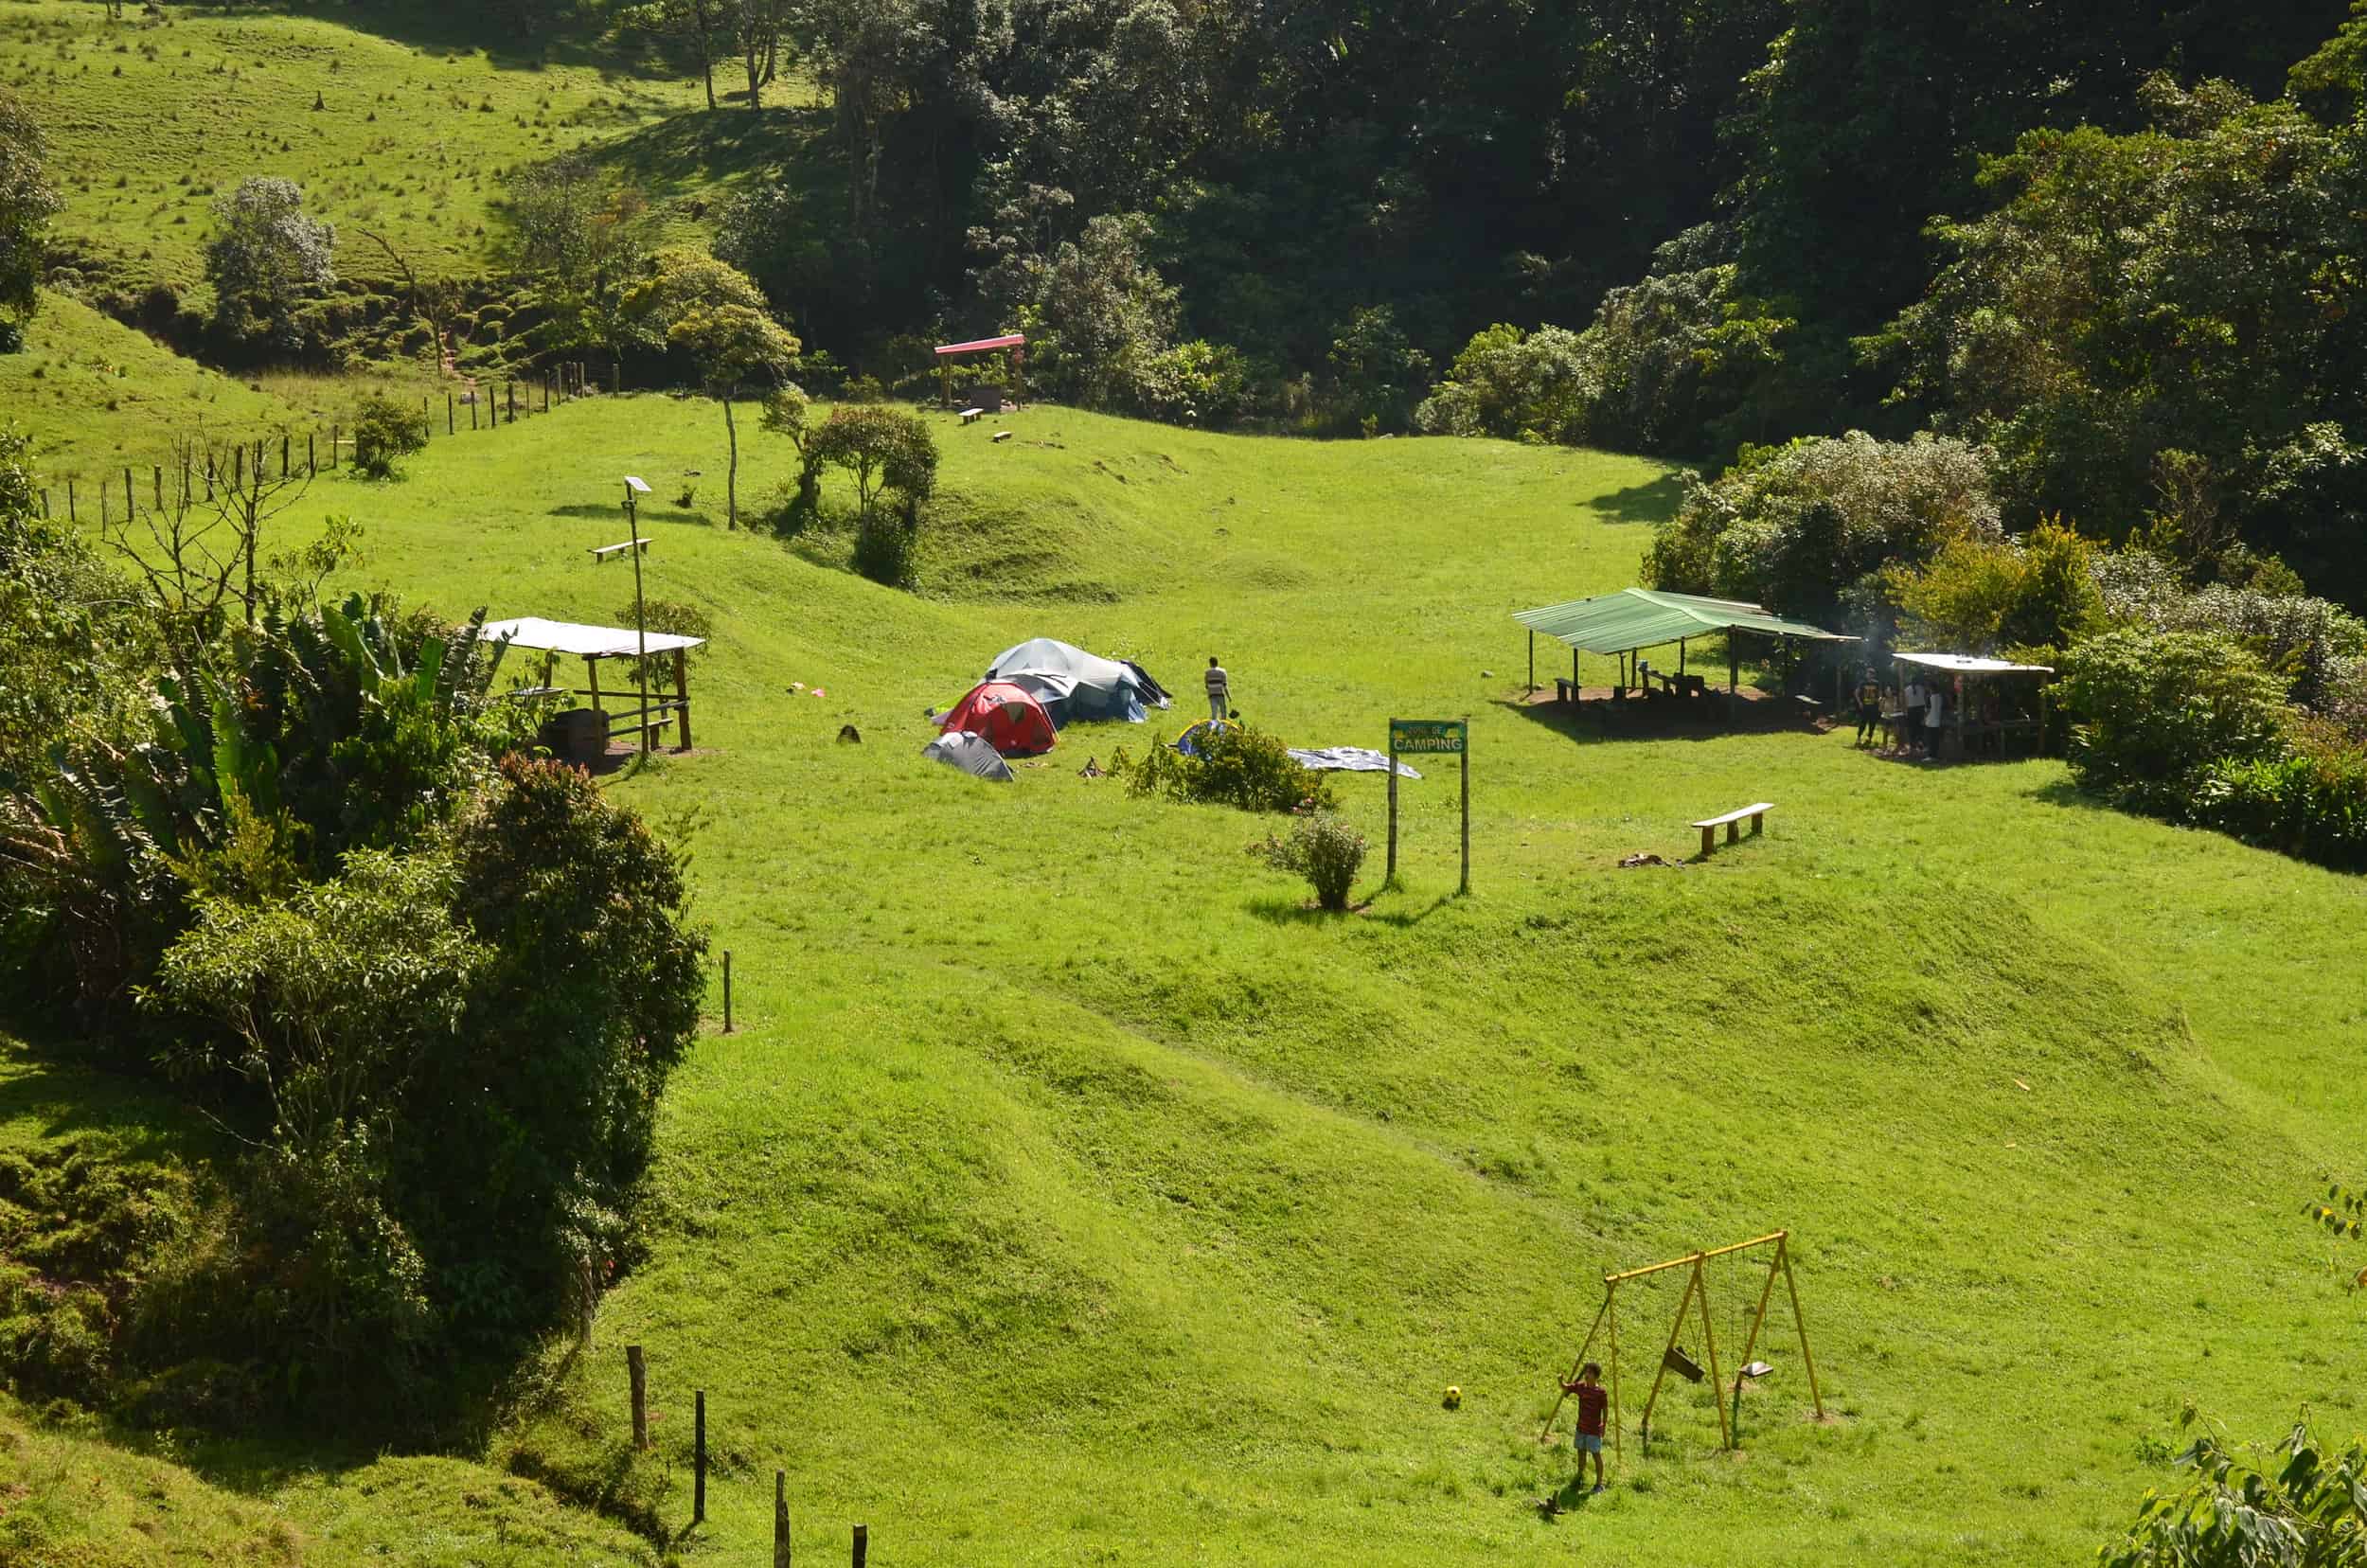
(585, 642)
(1966, 664)
(594, 642)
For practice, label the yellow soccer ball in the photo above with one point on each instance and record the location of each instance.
(1454, 1398)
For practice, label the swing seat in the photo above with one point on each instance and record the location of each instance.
(1681, 1364)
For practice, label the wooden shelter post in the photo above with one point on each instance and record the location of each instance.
(682, 695)
(1532, 661)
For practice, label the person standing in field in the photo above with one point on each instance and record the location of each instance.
(1911, 723)
(1219, 690)
(1587, 1435)
(1869, 706)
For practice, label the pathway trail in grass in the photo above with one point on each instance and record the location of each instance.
(1070, 1193)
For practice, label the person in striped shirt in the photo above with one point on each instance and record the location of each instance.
(1219, 690)
(1588, 1437)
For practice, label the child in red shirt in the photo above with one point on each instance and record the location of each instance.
(1588, 1438)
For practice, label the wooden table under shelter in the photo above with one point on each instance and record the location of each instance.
(1625, 624)
(596, 645)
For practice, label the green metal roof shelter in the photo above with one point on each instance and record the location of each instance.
(1633, 620)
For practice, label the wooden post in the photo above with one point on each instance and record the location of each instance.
(472, 408)
(427, 414)
(450, 424)
(209, 473)
(286, 441)
(128, 492)
(615, 379)
(780, 1519)
(546, 389)
(157, 480)
(639, 1371)
(863, 1546)
(727, 991)
(1466, 806)
(311, 455)
(1675, 1327)
(1709, 1338)
(334, 431)
(1751, 1341)
(1532, 661)
(70, 516)
(699, 1456)
(1391, 879)
(1611, 1306)
(592, 668)
(682, 695)
(102, 503)
(510, 388)
(1783, 1255)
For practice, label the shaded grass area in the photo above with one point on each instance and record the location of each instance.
(1065, 1196)
(68, 1496)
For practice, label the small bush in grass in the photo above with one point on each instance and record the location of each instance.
(1322, 847)
(384, 432)
(1233, 766)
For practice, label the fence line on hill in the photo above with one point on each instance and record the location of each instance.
(637, 1383)
(116, 494)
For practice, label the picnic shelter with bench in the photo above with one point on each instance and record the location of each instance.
(581, 734)
(1624, 625)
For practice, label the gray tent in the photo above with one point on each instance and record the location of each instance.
(971, 752)
(1073, 684)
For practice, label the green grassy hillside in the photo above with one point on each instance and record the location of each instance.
(419, 112)
(1070, 1193)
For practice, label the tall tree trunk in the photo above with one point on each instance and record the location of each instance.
(731, 474)
(702, 24)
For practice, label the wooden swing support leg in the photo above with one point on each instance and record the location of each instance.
(1751, 1341)
(1717, 1380)
(1610, 1301)
(1583, 1348)
(1675, 1327)
(1783, 1255)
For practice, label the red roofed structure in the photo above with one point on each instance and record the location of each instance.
(948, 352)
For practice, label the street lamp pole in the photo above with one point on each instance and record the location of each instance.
(640, 608)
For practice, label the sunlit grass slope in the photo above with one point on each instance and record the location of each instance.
(96, 396)
(396, 118)
(1069, 1193)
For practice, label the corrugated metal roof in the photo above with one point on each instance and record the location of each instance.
(1012, 340)
(1966, 664)
(1647, 617)
(595, 642)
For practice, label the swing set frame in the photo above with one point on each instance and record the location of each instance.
(1696, 1292)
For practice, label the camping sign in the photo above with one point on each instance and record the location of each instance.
(1431, 736)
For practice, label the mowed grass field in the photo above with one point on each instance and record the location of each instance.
(1070, 1193)
(397, 118)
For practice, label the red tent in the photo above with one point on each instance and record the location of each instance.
(1010, 717)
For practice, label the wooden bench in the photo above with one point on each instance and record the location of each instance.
(1732, 822)
(603, 552)
(971, 415)
(1563, 690)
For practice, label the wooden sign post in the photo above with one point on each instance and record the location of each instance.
(1431, 737)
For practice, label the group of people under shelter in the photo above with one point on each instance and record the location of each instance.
(1938, 715)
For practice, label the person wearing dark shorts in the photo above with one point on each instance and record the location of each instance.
(1869, 706)
(1588, 1437)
